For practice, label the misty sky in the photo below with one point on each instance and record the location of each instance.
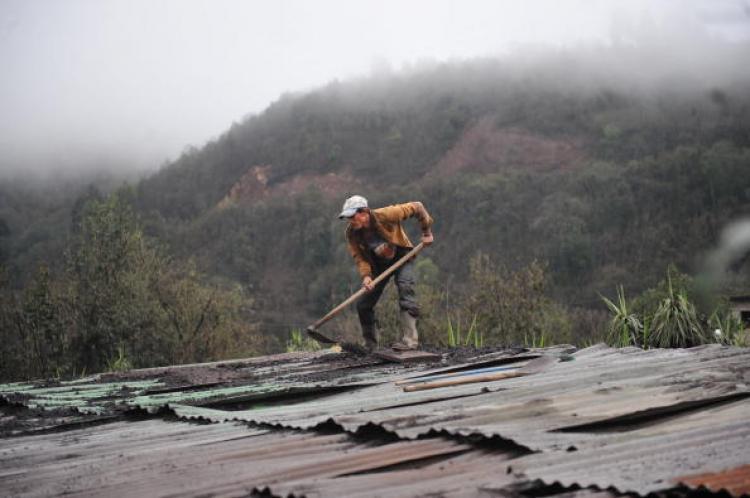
(131, 83)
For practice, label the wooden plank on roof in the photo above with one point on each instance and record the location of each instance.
(406, 356)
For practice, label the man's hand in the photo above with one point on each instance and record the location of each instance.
(427, 238)
(367, 283)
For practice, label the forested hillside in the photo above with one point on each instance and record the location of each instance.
(605, 182)
(547, 174)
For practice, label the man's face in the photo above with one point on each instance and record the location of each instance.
(360, 219)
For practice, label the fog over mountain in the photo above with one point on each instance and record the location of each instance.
(127, 85)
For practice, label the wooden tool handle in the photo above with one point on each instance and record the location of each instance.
(468, 379)
(395, 266)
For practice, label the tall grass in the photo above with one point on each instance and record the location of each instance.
(472, 337)
(535, 341)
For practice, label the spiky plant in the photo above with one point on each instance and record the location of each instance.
(625, 328)
(675, 323)
(727, 328)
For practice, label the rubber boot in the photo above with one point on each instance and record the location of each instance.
(371, 337)
(409, 336)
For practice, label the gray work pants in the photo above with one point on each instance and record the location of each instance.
(405, 282)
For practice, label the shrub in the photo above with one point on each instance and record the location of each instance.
(509, 307)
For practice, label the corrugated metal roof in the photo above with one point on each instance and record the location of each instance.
(158, 458)
(632, 420)
(600, 384)
(651, 458)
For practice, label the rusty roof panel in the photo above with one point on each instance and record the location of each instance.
(158, 458)
(735, 481)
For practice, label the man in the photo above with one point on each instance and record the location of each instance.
(376, 240)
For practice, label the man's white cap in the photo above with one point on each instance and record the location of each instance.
(351, 205)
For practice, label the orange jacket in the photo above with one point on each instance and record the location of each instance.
(388, 223)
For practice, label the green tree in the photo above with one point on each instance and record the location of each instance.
(43, 322)
(13, 352)
(112, 272)
(33, 327)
